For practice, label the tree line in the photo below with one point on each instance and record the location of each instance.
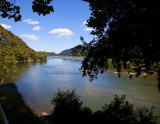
(13, 50)
(68, 108)
(13, 46)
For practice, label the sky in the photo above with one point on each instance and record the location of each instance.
(54, 32)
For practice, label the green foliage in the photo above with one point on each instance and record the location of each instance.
(42, 7)
(51, 53)
(127, 33)
(68, 109)
(16, 110)
(7, 61)
(8, 9)
(13, 46)
(122, 112)
(42, 55)
(13, 49)
(79, 50)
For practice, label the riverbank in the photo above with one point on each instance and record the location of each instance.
(133, 75)
(17, 112)
(70, 56)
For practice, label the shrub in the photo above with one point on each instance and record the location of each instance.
(68, 109)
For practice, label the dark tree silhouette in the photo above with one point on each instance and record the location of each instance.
(68, 109)
(127, 34)
(8, 8)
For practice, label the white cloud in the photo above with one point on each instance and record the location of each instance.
(37, 28)
(89, 29)
(6, 26)
(32, 37)
(29, 21)
(33, 22)
(85, 22)
(62, 32)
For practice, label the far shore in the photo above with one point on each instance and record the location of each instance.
(70, 56)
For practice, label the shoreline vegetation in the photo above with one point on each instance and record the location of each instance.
(13, 50)
(70, 56)
(124, 72)
(16, 110)
(68, 108)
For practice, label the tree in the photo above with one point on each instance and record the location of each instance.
(68, 109)
(80, 50)
(13, 49)
(127, 34)
(7, 61)
(120, 111)
(8, 9)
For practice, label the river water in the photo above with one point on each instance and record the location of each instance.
(39, 80)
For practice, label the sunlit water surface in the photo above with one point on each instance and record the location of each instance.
(39, 80)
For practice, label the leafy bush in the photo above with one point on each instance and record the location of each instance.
(68, 109)
(120, 111)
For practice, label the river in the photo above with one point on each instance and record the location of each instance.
(39, 80)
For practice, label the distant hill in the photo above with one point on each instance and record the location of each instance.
(51, 54)
(66, 52)
(11, 46)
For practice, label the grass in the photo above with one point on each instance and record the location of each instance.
(17, 112)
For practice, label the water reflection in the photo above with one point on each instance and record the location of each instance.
(39, 80)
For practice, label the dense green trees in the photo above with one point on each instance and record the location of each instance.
(14, 46)
(8, 9)
(68, 109)
(51, 54)
(7, 61)
(13, 49)
(127, 33)
(67, 105)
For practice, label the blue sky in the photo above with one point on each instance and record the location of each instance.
(54, 32)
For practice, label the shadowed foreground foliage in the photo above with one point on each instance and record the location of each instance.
(15, 109)
(9, 9)
(68, 109)
(127, 32)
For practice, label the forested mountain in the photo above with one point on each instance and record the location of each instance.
(66, 52)
(13, 49)
(12, 46)
(79, 51)
(51, 54)
(75, 51)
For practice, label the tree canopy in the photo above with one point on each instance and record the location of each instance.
(127, 34)
(8, 8)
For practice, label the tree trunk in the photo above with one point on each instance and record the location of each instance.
(1, 81)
